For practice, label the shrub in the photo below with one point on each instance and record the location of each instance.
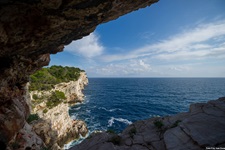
(116, 139)
(35, 97)
(59, 94)
(46, 78)
(176, 124)
(32, 117)
(132, 132)
(51, 104)
(111, 131)
(38, 100)
(45, 111)
(55, 99)
(159, 124)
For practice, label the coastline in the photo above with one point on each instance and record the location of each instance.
(55, 127)
(58, 117)
(202, 126)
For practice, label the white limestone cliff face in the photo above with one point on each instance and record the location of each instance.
(55, 127)
(73, 89)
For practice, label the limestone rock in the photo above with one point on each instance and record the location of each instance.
(175, 138)
(205, 129)
(73, 89)
(13, 93)
(26, 138)
(55, 126)
(201, 127)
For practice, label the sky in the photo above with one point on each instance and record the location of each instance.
(176, 38)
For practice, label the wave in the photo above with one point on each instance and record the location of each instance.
(154, 116)
(110, 110)
(75, 142)
(86, 99)
(74, 116)
(111, 121)
(88, 110)
(78, 108)
(115, 109)
(92, 129)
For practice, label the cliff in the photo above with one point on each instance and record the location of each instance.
(51, 126)
(55, 127)
(203, 127)
(32, 30)
(73, 89)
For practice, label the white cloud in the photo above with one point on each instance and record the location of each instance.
(179, 68)
(195, 52)
(88, 46)
(195, 36)
(195, 43)
(184, 55)
(130, 68)
(144, 65)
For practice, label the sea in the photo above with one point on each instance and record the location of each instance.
(115, 103)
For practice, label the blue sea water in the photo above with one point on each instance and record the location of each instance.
(114, 103)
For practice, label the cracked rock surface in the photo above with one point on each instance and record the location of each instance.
(203, 126)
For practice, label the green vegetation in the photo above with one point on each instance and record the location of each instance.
(32, 117)
(159, 124)
(176, 124)
(58, 95)
(132, 132)
(45, 111)
(110, 131)
(46, 78)
(55, 99)
(115, 139)
(37, 99)
(35, 96)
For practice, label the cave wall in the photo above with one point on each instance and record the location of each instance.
(31, 30)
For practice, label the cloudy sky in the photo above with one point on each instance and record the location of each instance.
(177, 38)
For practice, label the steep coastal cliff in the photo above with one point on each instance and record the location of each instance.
(200, 128)
(52, 127)
(55, 126)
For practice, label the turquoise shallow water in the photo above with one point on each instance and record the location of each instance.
(114, 103)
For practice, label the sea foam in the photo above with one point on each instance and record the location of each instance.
(111, 121)
(110, 110)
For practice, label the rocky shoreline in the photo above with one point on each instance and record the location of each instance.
(201, 128)
(54, 128)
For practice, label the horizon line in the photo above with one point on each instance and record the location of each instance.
(155, 77)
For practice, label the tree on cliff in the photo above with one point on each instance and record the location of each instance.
(46, 78)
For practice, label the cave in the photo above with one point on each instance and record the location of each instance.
(32, 30)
